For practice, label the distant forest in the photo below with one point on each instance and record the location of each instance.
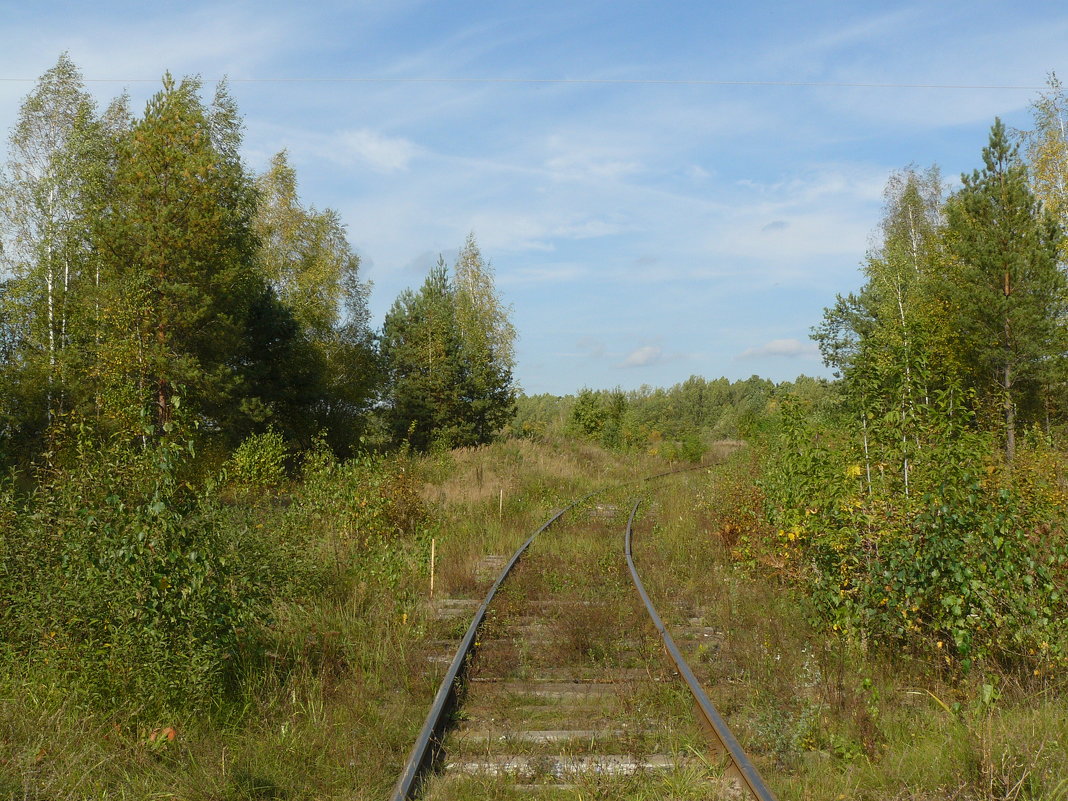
(677, 423)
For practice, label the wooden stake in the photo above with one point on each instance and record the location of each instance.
(500, 506)
(432, 543)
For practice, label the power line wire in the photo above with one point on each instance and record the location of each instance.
(592, 82)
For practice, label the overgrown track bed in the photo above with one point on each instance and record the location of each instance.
(569, 694)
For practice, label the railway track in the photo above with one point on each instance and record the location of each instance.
(560, 687)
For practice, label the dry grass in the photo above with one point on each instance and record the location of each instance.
(330, 714)
(822, 717)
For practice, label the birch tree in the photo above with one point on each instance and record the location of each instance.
(488, 340)
(484, 319)
(885, 338)
(45, 203)
(305, 255)
(1046, 151)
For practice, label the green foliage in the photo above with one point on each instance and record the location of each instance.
(177, 274)
(146, 264)
(956, 568)
(963, 291)
(123, 583)
(128, 587)
(259, 463)
(447, 351)
(1009, 302)
(366, 512)
(676, 423)
(48, 197)
(327, 369)
(589, 414)
(1046, 150)
(895, 511)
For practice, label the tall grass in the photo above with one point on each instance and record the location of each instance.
(215, 641)
(824, 715)
(325, 680)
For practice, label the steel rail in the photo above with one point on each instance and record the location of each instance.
(427, 747)
(722, 740)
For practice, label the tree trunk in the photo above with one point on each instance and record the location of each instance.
(1010, 417)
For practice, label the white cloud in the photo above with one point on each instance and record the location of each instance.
(644, 356)
(783, 349)
(379, 152)
(211, 42)
(511, 231)
(586, 156)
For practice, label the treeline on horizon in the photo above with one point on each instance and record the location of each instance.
(155, 289)
(677, 423)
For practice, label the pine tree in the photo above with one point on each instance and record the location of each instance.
(1009, 294)
(421, 347)
(448, 353)
(178, 251)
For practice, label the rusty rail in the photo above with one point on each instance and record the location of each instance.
(723, 743)
(427, 747)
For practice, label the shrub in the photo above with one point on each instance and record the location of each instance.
(258, 464)
(128, 595)
(968, 561)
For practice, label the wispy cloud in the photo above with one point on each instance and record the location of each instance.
(547, 274)
(591, 346)
(732, 213)
(578, 167)
(376, 150)
(211, 42)
(781, 349)
(644, 356)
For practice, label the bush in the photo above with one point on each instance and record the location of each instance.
(967, 562)
(126, 586)
(122, 594)
(366, 512)
(258, 464)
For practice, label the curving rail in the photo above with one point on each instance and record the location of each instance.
(428, 745)
(427, 748)
(722, 741)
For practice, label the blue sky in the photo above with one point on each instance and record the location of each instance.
(643, 232)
